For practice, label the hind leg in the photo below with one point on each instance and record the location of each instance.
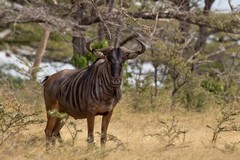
(52, 119)
(51, 123)
(58, 126)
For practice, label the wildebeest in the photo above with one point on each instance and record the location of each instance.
(88, 92)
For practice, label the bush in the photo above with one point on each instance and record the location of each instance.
(192, 96)
(79, 61)
(212, 85)
(13, 119)
(82, 61)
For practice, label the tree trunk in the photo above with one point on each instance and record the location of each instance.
(155, 66)
(102, 31)
(110, 4)
(183, 5)
(83, 14)
(203, 33)
(40, 51)
(79, 40)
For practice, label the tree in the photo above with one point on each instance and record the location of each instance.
(39, 54)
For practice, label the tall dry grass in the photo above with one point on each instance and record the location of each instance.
(132, 134)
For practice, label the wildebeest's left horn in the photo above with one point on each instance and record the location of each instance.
(101, 53)
(133, 54)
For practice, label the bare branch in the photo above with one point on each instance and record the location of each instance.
(38, 15)
(101, 19)
(5, 33)
(155, 26)
(231, 6)
(42, 15)
(189, 17)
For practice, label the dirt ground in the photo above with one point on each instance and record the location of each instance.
(133, 136)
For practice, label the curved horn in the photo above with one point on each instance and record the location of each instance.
(142, 45)
(101, 53)
(88, 45)
(133, 54)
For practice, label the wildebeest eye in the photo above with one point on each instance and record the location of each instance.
(124, 59)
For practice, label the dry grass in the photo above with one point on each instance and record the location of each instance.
(127, 138)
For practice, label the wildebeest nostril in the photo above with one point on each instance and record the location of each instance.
(116, 80)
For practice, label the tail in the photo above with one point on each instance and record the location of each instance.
(45, 79)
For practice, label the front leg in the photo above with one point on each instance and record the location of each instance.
(105, 121)
(90, 124)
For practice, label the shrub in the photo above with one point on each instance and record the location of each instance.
(192, 96)
(226, 122)
(171, 132)
(212, 85)
(82, 61)
(13, 119)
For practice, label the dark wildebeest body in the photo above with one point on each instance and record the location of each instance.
(87, 93)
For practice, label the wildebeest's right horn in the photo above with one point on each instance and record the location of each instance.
(133, 54)
(101, 53)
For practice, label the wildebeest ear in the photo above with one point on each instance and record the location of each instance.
(99, 54)
(102, 53)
